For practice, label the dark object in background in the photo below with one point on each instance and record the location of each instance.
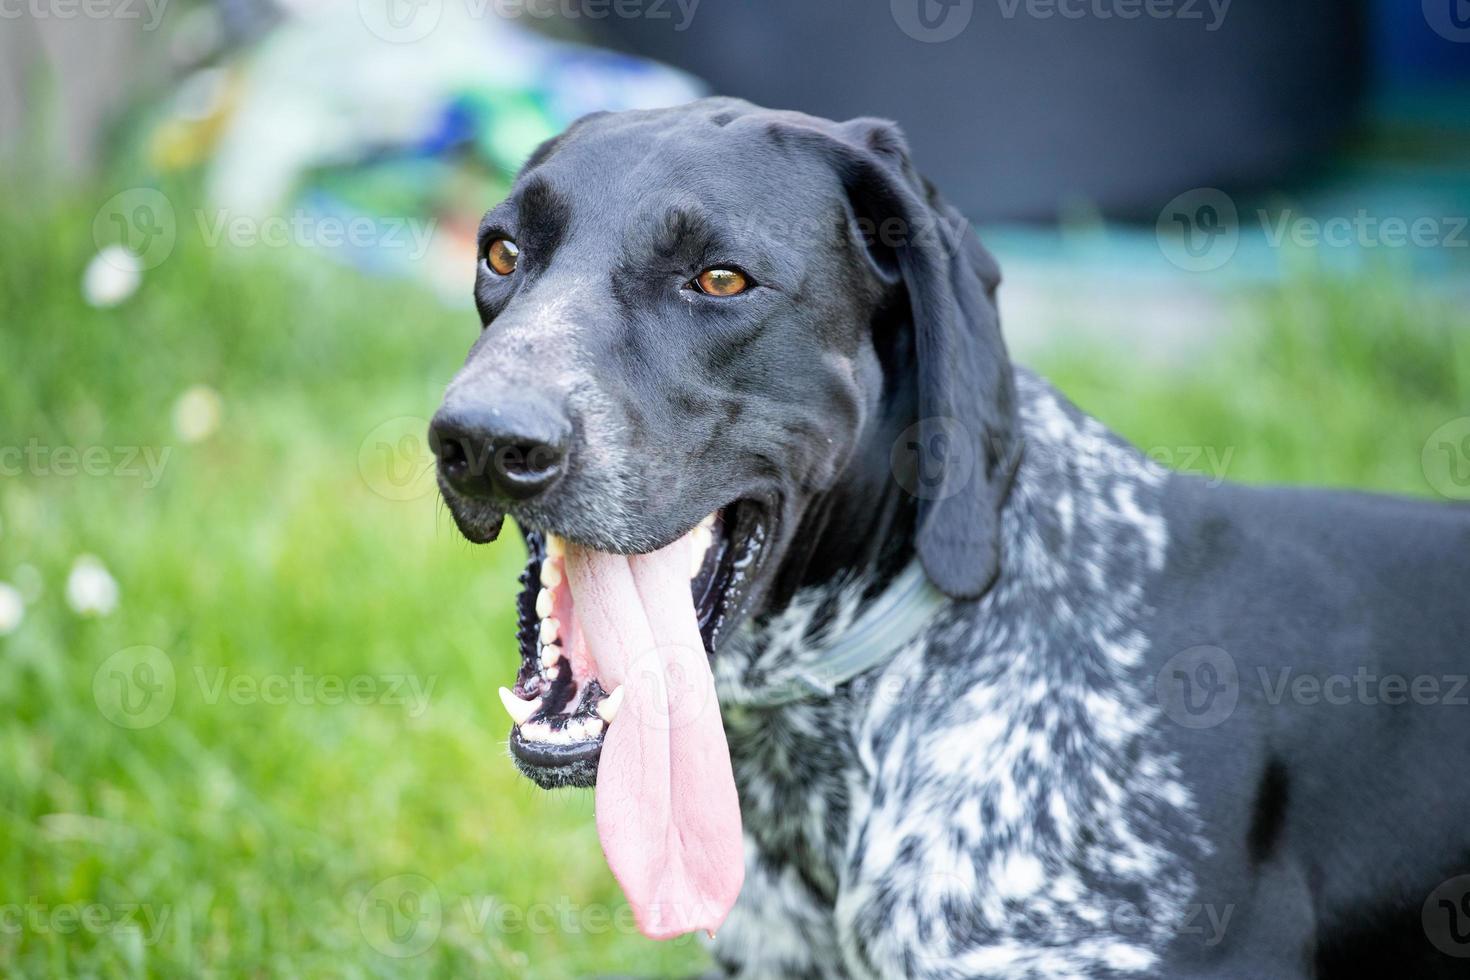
(1019, 116)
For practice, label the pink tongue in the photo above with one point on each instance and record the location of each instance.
(667, 811)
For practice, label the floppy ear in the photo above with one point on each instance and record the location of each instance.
(966, 441)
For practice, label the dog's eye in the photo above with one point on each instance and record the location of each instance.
(722, 282)
(502, 255)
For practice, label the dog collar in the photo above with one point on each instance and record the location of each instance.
(893, 619)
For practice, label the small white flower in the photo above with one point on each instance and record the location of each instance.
(90, 588)
(12, 609)
(112, 276)
(196, 413)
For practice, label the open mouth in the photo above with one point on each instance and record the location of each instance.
(560, 707)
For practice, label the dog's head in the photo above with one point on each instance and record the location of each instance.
(758, 330)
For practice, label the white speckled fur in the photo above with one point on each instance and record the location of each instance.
(996, 800)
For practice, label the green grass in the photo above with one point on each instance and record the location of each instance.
(254, 836)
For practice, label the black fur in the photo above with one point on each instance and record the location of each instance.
(1013, 794)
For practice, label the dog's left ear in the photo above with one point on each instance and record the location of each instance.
(966, 444)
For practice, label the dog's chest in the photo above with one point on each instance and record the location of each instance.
(796, 771)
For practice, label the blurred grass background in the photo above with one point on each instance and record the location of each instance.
(257, 837)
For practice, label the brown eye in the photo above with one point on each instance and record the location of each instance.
(501, 255)
(722, 282)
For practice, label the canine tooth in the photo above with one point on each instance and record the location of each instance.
(555, 546)
(699, 539)
(609, 706)
(709, 521)
(543, 603)
(550, 574)
(549, 630)
(592, 727)
(550, 654)
(520, 711)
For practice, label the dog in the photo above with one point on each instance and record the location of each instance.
(1000, 696)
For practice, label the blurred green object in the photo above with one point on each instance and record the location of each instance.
(189, 785)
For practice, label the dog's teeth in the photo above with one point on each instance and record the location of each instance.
(709, 521)
(520, 711)
(592, 727)
(550, 654)
(550, 574)
(550, 630)
(543, 603)
(608, 707)
(699, 541)
(555, 546)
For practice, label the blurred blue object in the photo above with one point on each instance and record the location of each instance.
(1421, 40)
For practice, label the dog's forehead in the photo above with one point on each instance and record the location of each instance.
(640, 164)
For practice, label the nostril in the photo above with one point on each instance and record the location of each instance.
(452, 454)
(527, 461)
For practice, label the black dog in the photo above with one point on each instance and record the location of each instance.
(1004, 699)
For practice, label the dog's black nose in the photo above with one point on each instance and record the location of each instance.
(508, 449)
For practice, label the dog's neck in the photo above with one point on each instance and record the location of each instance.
(1055, 641)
